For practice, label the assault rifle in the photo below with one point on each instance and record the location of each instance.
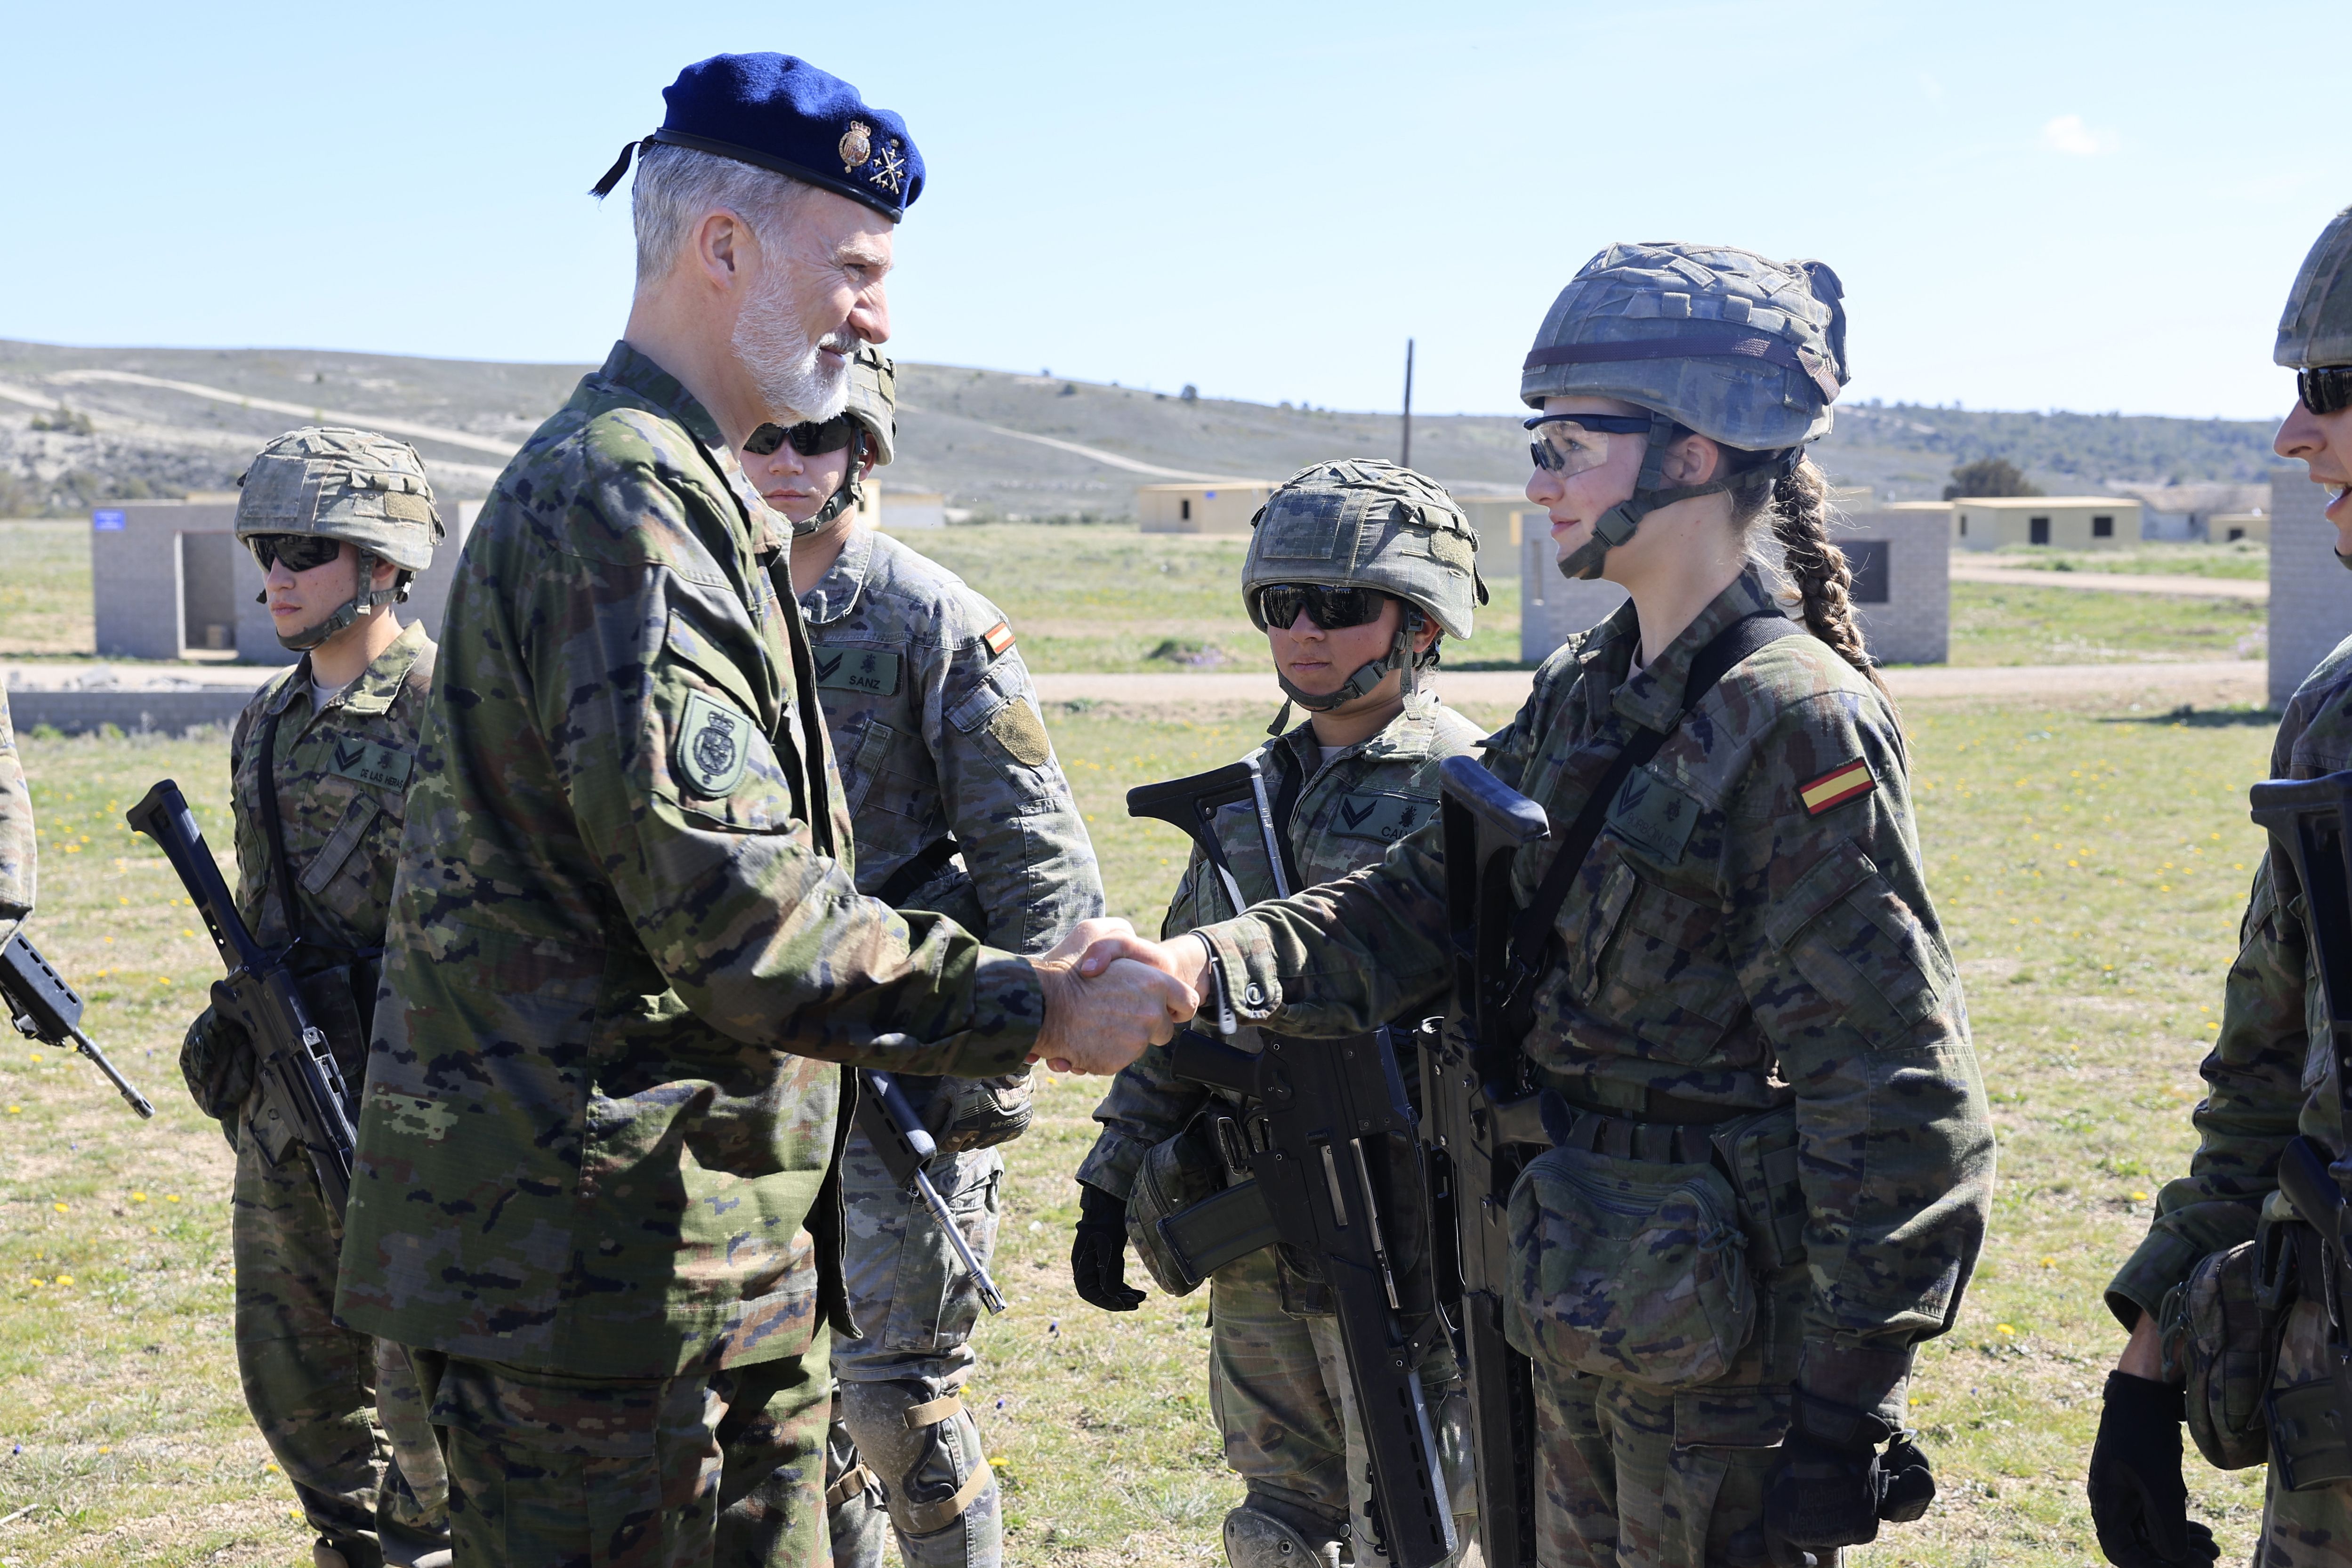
(906, 1148)
(44, 1008)
(1327, 1133)
(2310, 819)
(1479, 1114)
(300, 1080)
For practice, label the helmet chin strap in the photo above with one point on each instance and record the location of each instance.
(1618, 523)
(1369, 674)
(361, 603)
(843, 497)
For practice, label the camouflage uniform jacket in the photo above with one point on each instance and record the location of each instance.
(342, 778)
(2272, 1054)
(936, 729)
(1347, 812)
(625, 939)
(20, 854)
(1726, 942)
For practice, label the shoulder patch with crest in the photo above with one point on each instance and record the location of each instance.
(714, 746)
(1836, 787)
(999, 639)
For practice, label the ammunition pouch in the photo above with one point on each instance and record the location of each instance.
(2220, 1331)
(1187, 1214)
(980, 1113)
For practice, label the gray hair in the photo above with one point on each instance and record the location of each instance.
(675, 187)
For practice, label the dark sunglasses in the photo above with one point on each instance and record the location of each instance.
(1279, 604)
(2325, 389)
(1546, 452)
(300, 552)
(808, 440)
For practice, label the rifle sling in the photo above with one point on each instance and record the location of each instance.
(1532, 928)
(273, 828)
(927, 863)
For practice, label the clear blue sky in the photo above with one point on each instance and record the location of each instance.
(2083, 206)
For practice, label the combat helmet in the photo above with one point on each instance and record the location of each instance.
(1747, 352)
(2316, 328)
(1359, 522)
(344, 484)
(873, 410)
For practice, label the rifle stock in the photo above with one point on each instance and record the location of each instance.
(44, 1008)
(298, 1074)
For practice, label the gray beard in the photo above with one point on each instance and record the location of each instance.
(786, 367)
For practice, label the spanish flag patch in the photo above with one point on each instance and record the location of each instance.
(998, 637)
(1836, 787)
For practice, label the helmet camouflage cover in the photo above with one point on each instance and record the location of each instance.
(2316, 328)
(874, 402)
(1359, 522)
(342, 484)
(1746, 350)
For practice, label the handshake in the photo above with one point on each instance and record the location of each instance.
(1110, 993)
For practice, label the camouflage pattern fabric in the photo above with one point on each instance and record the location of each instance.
(1276, 1385)
(2316, 328)
(1751, 931)
(2311, 1529)
(19, 853)
(626, 943)
(313, 1387)
(1359, 522)
(704, 1469)
(342, 484)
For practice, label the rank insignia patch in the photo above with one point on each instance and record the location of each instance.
(999, 638)
(370, 763)
(714, 745)
(1836, 787)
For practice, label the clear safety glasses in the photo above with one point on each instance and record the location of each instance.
(1568, 444)
(2325, 389)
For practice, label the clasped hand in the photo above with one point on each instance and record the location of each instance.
(1109, 993)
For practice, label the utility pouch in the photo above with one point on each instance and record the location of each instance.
(981, 1113)
(1184, 1220)
(2222, 1347)
(1612, 1275)
(2307, 1446)
(1760, 1154)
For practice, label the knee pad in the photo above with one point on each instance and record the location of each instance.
(919, 1445)
(1258, 1540)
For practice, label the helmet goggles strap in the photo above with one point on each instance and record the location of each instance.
(1617, 523)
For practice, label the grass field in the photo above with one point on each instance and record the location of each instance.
(2245, 559)
(2026, 623)
(2090, 865)
(44, 589)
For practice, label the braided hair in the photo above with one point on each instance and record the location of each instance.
(1795, 501)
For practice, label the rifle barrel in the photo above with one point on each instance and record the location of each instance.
(131, 1097)
(990, 1296)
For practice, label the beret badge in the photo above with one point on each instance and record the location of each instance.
(856, 146)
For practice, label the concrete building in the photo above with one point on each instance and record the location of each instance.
(2062, 522)
(1503, 522)
(906, 509)
(1213, 507)
(2229, 528)
(1902, 565)
(2311, 597)
(168, 580)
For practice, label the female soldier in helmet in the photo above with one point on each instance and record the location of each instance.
(1771, 1162)
(1356, 569)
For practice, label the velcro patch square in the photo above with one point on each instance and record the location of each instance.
(999, 638)
(1836, 787)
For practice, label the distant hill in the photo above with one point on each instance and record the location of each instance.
(127, 423)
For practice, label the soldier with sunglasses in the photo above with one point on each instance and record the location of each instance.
(2220, 1332)
(956, 805)
(340, 520)
(1356, 569)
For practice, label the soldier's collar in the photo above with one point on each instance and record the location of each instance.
(1653, 698)
(834, 594)
(626, 368)
(379, 685)
(297, 679)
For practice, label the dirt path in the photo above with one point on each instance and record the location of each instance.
(2113, 581)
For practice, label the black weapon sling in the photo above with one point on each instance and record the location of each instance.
(927, 863)
(1531, 931)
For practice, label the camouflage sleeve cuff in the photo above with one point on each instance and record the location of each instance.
(1112, 1162)
(1861, 1379)
(1008, 1001)
(2163, 1260)
(1242, 959)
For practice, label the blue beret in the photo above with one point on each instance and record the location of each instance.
(781, 113)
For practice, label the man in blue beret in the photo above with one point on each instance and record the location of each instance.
(627, 959)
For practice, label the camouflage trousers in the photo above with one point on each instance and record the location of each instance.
(1278, 1389)
(706, 1470)
(2309, 1528)
(340, 1412)
(899, 1410)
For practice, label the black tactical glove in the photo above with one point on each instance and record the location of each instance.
(1098, 1255)
(1832, 1486)
(2137, 1499)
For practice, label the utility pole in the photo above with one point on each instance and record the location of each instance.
(1406, 460)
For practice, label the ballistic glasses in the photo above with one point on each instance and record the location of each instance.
(1332, 609)
(2325, 389)
(1568, 444)
(808, 440)
(300, 552)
